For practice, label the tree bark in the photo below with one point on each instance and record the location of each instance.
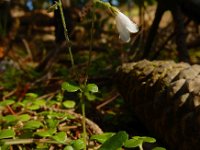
(165, 96)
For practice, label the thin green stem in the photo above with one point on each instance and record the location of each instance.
(28, 141)
(66, 33)
(82, 98)
(83, 119)
(140, 147)
(91, 43)
(86, 77)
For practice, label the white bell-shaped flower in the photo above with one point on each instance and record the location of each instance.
(125, 26)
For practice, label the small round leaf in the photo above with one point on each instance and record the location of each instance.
(68, 148)
(33, 124)
(92, 88)
(132, 143)
(60, 137)
(6, 133)
(78, 144)
(24, 117)
(115, 142)
(101, 138)
(70, 87)
(69, 104)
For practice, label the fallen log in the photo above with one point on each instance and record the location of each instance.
(165, 96)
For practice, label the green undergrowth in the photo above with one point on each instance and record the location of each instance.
(40, 123)
(49, 109)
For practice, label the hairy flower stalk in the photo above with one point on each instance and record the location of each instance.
(124, 26)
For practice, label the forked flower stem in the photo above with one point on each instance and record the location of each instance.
(66, 33)
(86, 77)
(82, 97)
(91, 43)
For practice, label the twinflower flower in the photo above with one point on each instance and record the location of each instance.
(125, 26)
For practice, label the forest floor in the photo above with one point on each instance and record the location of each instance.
(32, 100)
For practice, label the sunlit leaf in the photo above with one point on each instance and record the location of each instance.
(90, 96)
(33, 107)
(10, 118)
(145, 139)
(149, 139)
(92, 88)
(7, 133)
(70, 87)
(101, 138)
(115, 142)
(31, 95)
(133, 143)
(59, 97)
(60, 137)
(33, 124)
(69, 104)
(45, 133)
(40, 102)
(24, 117)
(69, 147)
(7, 102)
(5, 147)
(78, 144)
(52, 123)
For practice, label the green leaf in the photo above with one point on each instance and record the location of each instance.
(41, 146)
(78, 144)
(115, 142)
(33, 124)
(158, 148)
(32, 95)
(133, 143)
(7, 102)
(40, 102)
(45, 133)
(24, 117)
(145, 139)
(4, 147)
(90, 96)
(69, 147)
(138, 141)
(69, 104)
(35, 104)
(33, 107)
(52, 123)
(92, 88)
(60, 137)
(59, 97)
(10, 118)
(70, 87)
(149, 139)
(7, 133)
(101, 138)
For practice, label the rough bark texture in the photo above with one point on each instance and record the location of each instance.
(165, 96)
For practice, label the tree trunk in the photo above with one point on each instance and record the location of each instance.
(165, 96)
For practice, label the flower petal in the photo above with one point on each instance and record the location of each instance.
(125, 36)
(125, 26)
(123, 32)
(132, 27)
(120, 26)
